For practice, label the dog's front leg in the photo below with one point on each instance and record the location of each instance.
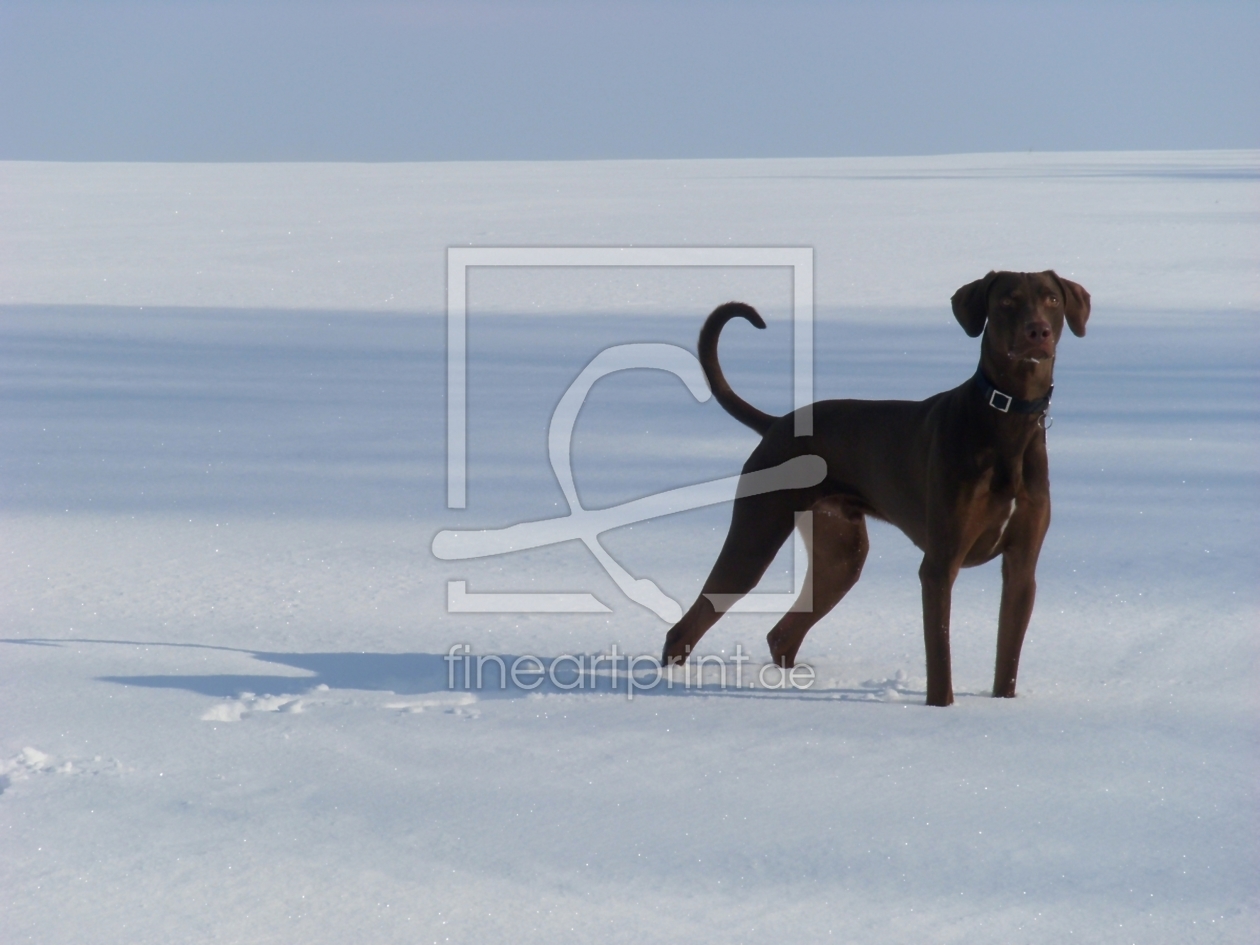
(1019, 590)
(936, 575)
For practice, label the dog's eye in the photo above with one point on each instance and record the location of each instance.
(1007, 303)
(1053, 300)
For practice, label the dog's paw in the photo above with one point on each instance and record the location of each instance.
(782, 652)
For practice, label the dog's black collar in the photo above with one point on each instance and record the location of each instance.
(1005, 403)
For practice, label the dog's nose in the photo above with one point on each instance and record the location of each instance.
(1037, 331)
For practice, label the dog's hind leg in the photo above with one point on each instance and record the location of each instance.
(837, 546)
(759, 526)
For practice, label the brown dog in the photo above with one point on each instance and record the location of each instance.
(964, 474)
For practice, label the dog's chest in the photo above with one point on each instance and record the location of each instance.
(986, 525)
(1001, 476)
(994, 502)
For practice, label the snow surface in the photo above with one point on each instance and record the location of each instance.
(225, 713)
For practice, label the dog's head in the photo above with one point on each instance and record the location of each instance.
(1022, 313)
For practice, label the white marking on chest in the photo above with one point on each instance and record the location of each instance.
(1006, 521)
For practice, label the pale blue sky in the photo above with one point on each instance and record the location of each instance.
(218, 80)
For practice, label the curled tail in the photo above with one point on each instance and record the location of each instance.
(731, 402)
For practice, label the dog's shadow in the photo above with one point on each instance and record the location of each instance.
(485, 675)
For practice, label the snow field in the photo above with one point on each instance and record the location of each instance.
(225, 711)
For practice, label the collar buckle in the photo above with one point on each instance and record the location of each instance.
(1004, 407)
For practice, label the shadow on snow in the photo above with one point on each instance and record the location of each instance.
(419, 673)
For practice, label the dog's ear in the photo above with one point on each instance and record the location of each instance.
(971, 304)
(1075, 304)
